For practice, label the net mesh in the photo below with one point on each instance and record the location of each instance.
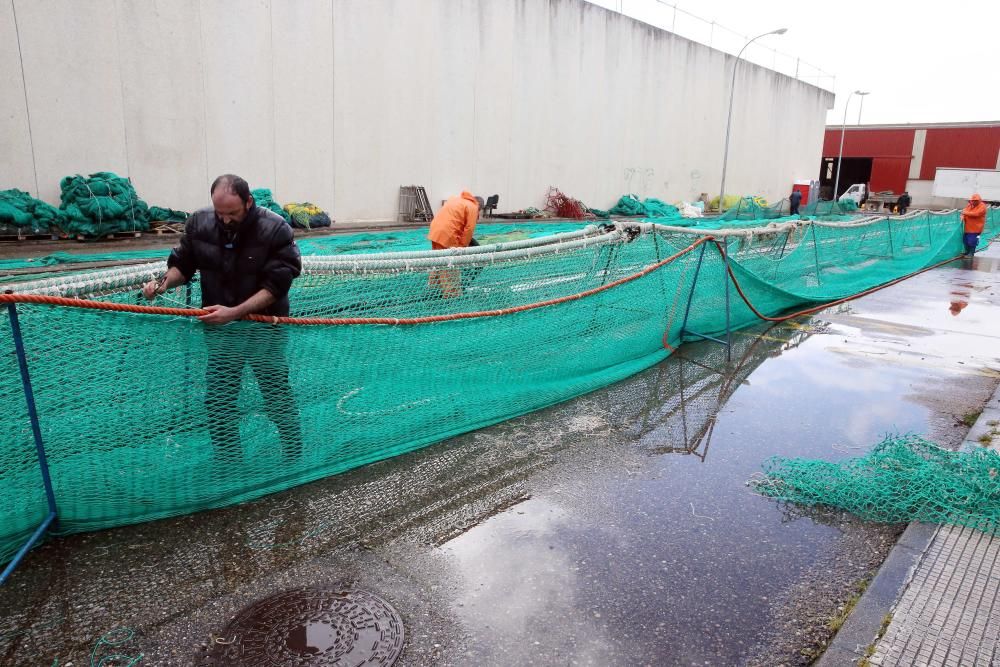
(904, 478)
(151, 414)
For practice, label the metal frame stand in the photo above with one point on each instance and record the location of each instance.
(728, 342)
(51, 520)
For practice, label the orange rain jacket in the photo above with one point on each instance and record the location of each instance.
(974, 215)
(455, 223)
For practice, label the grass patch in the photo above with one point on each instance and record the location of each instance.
(870, 651)
(985, 439)
(838, 621)
(969, 418)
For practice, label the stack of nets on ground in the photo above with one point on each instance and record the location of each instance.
(100, 204)
(163, 214)
(22, 213)
(648, 208)
(307, 216)
(150, 413)
(263, 198)
(903, 479)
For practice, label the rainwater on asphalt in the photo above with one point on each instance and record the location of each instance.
(613, 529)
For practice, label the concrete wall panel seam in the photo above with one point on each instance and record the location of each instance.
(24, 90)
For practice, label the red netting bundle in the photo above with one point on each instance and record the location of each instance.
(565, 206)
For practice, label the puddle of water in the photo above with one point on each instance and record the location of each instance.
(671, 558)
(312, 638)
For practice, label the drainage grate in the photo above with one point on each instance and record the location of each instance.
(312, 627)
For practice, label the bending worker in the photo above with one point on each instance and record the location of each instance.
(452, 227)
(248, 260)
(973, 220)
(454, 224)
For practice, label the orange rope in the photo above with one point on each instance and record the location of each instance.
(270, 319)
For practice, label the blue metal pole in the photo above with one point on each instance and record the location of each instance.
(36, 431)
(694, 282)
(37, 535)
(29, 397)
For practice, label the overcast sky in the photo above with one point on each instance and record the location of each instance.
(938, 62)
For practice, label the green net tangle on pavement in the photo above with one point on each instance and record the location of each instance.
(904, 478)
(146, 415)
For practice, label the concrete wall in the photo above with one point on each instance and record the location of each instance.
(342, 102)
(923, 197)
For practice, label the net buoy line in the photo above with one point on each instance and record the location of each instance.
(431, 260)
(133, 276)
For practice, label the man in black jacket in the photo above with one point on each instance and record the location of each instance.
(248, 259)
(794, 200)
(903, 202)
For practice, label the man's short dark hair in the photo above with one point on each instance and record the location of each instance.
(234, 185)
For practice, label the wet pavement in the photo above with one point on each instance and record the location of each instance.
(614, 529)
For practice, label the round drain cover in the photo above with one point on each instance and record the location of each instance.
(312, 627)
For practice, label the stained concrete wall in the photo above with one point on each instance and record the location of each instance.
(340, 102)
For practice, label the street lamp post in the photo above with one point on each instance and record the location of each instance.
(729, 118)
(843, 128)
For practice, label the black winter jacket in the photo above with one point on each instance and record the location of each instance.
(260, 254)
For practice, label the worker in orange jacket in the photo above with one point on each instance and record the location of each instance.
(455, 223)
(453, 227)
(973, 219)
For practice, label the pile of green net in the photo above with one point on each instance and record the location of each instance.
(903, 479)
(647, 208)
(163, 214)
(19, 211)
(263, 198)
(102, 203)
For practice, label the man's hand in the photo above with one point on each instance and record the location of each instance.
(151, 289)
(219, 315)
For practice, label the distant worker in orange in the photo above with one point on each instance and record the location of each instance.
(453, 227)
(973, 219)
(455, 223)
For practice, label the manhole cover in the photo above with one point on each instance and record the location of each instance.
(312, 627)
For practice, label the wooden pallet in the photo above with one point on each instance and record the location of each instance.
(15, 238)
(109, 237)
(161, 227)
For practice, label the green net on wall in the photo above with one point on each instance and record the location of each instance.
(903, 479)
(148, 415)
